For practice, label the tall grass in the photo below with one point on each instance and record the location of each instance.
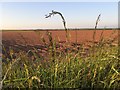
(94, 33)
(71, 71)
(61, 69)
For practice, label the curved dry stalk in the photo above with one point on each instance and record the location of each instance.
(64, 22)
(55, 12)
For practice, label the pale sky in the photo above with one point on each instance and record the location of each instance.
(31, 15)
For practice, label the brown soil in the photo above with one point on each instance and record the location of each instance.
(27, 40)
(34, 37)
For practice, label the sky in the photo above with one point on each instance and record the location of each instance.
(31, 15)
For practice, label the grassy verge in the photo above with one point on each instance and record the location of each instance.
(64, 69)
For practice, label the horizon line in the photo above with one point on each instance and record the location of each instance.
(60, 29)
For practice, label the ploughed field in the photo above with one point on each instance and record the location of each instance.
(34, 37)
(28, 40)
